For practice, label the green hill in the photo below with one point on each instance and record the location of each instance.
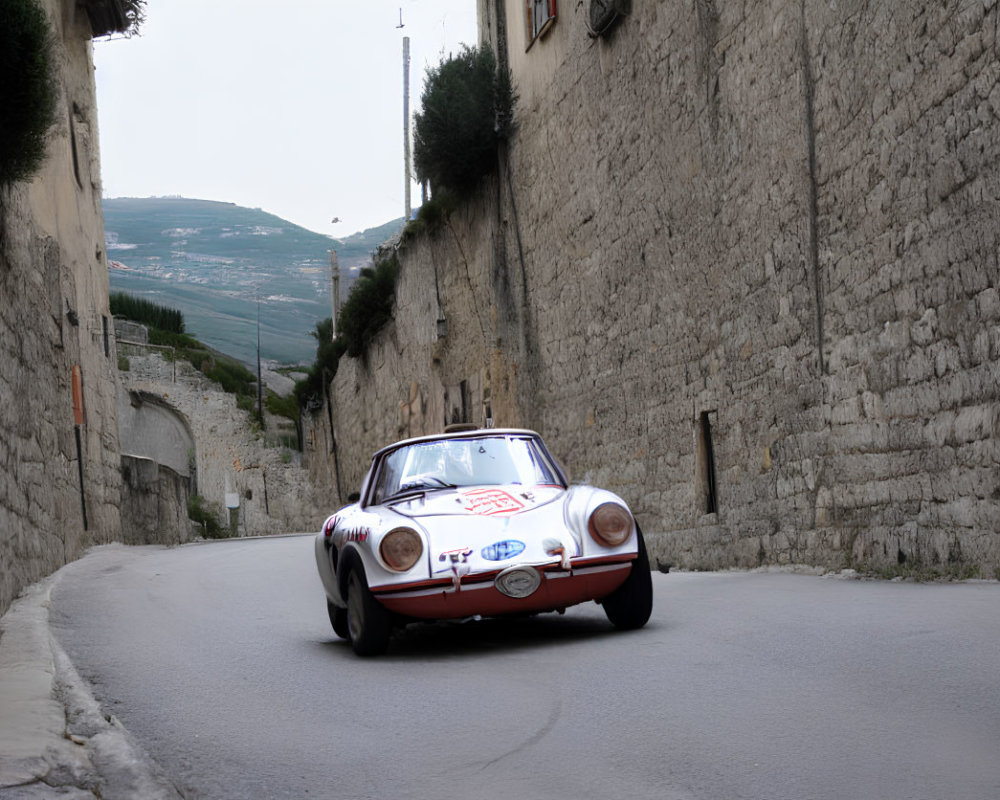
(214, 261)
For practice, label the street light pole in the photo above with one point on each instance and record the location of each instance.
(406, 123)
(334, 290)
(260, 386)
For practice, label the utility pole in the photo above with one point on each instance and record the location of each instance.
(260, 386)
(334, 289)
(406, 122)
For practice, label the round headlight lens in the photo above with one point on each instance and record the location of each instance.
(610, 524)
(400, 548)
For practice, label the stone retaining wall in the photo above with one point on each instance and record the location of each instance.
(740, 265)
(225, 454)
(60, 475)
(154, 503)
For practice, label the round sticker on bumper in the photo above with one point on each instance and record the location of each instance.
(501, 551)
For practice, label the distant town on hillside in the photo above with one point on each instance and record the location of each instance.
(215, 262)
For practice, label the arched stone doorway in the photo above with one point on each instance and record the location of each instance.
(158, 469)
(149, 427)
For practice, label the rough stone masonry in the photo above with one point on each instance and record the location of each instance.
(60, 470)
(739, 263)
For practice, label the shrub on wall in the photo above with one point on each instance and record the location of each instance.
(466, 112)
(135, 15)
(365, 312)
(27, 88)
(309, 390)
(207, 516)
(369, 306)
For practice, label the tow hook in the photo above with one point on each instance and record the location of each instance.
(554, 547)
(459, 564)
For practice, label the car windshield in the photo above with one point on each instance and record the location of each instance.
(450, 463)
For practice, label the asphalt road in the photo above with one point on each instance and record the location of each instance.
(220, 660)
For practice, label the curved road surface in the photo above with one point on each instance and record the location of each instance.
(219, 659)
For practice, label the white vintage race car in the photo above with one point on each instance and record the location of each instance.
(476, 523)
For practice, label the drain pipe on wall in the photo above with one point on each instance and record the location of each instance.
(78, 420)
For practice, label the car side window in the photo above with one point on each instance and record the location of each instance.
(388, 476)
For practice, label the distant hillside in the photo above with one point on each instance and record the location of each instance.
(212, 261)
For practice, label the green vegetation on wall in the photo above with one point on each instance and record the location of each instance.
(369, 306)
(229, 373)
(365, 312)
(135, 15)
(27, 88)
(309, 390)
(206, 515)
(467, 110)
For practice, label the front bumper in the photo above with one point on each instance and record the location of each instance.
(476, 594)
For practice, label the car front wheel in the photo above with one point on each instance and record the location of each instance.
(368, 622)
(338, 618)
(630, 605)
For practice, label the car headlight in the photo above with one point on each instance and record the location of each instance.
(400, 548)
(610, 524)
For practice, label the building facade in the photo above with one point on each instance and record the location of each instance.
(61, 474)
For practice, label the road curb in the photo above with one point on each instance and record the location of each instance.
(55, 740)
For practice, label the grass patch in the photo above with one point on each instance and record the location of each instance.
(207, 516)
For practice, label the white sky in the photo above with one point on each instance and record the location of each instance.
(292, 106)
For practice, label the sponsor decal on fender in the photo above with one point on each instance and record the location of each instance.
(353, 535)
(457, 556)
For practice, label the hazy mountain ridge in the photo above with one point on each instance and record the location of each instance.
(214, 261)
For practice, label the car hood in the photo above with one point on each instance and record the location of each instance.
(514, 524)
(482, 501)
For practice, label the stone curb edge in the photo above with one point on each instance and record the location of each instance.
(55, 740)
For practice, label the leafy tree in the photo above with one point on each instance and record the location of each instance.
(466, 111)
(27, 88)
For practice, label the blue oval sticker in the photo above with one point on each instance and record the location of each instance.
(501, 551)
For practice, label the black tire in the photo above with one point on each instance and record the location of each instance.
(629, 606)
(338, 618)
(369, 624)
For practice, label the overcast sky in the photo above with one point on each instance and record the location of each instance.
(294, 107)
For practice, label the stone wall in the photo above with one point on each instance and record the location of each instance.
(60, 477)
(176, 417)
(154, 505)
(740, 266)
